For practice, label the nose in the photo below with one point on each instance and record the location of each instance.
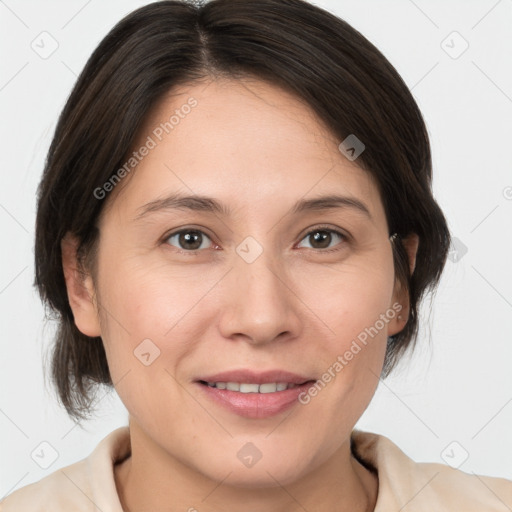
(260, 305)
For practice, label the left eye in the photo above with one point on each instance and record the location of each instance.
(189, 239)
(322, 238)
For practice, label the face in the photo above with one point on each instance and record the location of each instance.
(262, 284)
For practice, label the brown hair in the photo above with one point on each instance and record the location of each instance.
(290, 43)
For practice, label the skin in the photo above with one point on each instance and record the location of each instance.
(296, 307)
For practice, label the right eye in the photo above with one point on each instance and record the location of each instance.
(188, 240)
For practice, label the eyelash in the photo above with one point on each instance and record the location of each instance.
(195, 252)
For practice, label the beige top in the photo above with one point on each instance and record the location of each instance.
(404, 485)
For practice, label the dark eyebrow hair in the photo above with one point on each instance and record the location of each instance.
(180, 202)
(210, 205)
(331, 202)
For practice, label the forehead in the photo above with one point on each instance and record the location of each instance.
(244, 142)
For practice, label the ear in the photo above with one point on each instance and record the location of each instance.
(411, 243)
(400, 294)
(80, 288)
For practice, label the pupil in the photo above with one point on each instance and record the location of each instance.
(188, 237)
(323, 238)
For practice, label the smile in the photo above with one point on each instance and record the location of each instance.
(245, 387)
(252, 394)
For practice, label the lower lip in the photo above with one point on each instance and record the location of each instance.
(255, 405)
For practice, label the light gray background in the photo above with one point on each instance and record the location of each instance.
(458, 385)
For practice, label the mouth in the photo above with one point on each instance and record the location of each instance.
(247, 387)
(254, 395)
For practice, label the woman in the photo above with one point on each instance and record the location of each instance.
(245, 335)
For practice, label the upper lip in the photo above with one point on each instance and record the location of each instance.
(252, 377)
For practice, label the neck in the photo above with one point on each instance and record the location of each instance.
(151, 479)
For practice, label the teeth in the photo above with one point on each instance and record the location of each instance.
(249, 388)
(270, 387)
(243, 387)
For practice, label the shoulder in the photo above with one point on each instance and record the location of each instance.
(425, 486)
(65, 489)
(85, 486)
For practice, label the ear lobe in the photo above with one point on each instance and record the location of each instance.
(80, 289)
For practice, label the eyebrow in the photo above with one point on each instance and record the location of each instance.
(207, 204)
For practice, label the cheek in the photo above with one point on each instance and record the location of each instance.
(138, 311)
(143, 337)
(350, 297)
(146, 299)
(154, 317)
(355, 303)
